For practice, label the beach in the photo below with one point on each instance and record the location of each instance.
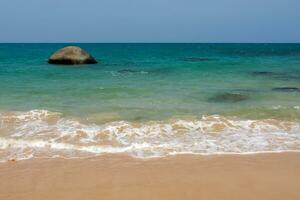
(150, 100)
(227, 177)
(150, 121)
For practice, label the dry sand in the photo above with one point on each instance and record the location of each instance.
(260, 176)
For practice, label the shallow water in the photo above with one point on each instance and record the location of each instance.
(142, 92)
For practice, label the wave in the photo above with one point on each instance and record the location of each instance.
(40, 133)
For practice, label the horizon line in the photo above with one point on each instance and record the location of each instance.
(150, 42)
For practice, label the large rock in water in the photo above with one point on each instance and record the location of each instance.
(71, 56)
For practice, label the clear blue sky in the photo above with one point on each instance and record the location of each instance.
(149, 20)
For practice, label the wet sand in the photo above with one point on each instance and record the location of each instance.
(226, 177)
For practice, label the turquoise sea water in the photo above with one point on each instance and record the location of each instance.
(148, 83)
(152, 81)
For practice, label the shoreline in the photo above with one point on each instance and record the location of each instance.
(117, 176)
(41, 133)
(169, 156)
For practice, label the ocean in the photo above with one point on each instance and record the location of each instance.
(150, 100)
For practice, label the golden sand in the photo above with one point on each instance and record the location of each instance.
(226, 177)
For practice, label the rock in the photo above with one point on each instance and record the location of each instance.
(286, 89)
(229, 97)
(263, 73)
(293, 75)
(71, 55)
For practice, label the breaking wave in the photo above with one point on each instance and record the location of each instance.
(41, 133)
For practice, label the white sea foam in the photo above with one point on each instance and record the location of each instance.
(43, 133)
(278, 107)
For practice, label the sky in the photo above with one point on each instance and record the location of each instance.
(149, 21)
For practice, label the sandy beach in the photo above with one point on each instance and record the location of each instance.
(259, 176)
(150, 100)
